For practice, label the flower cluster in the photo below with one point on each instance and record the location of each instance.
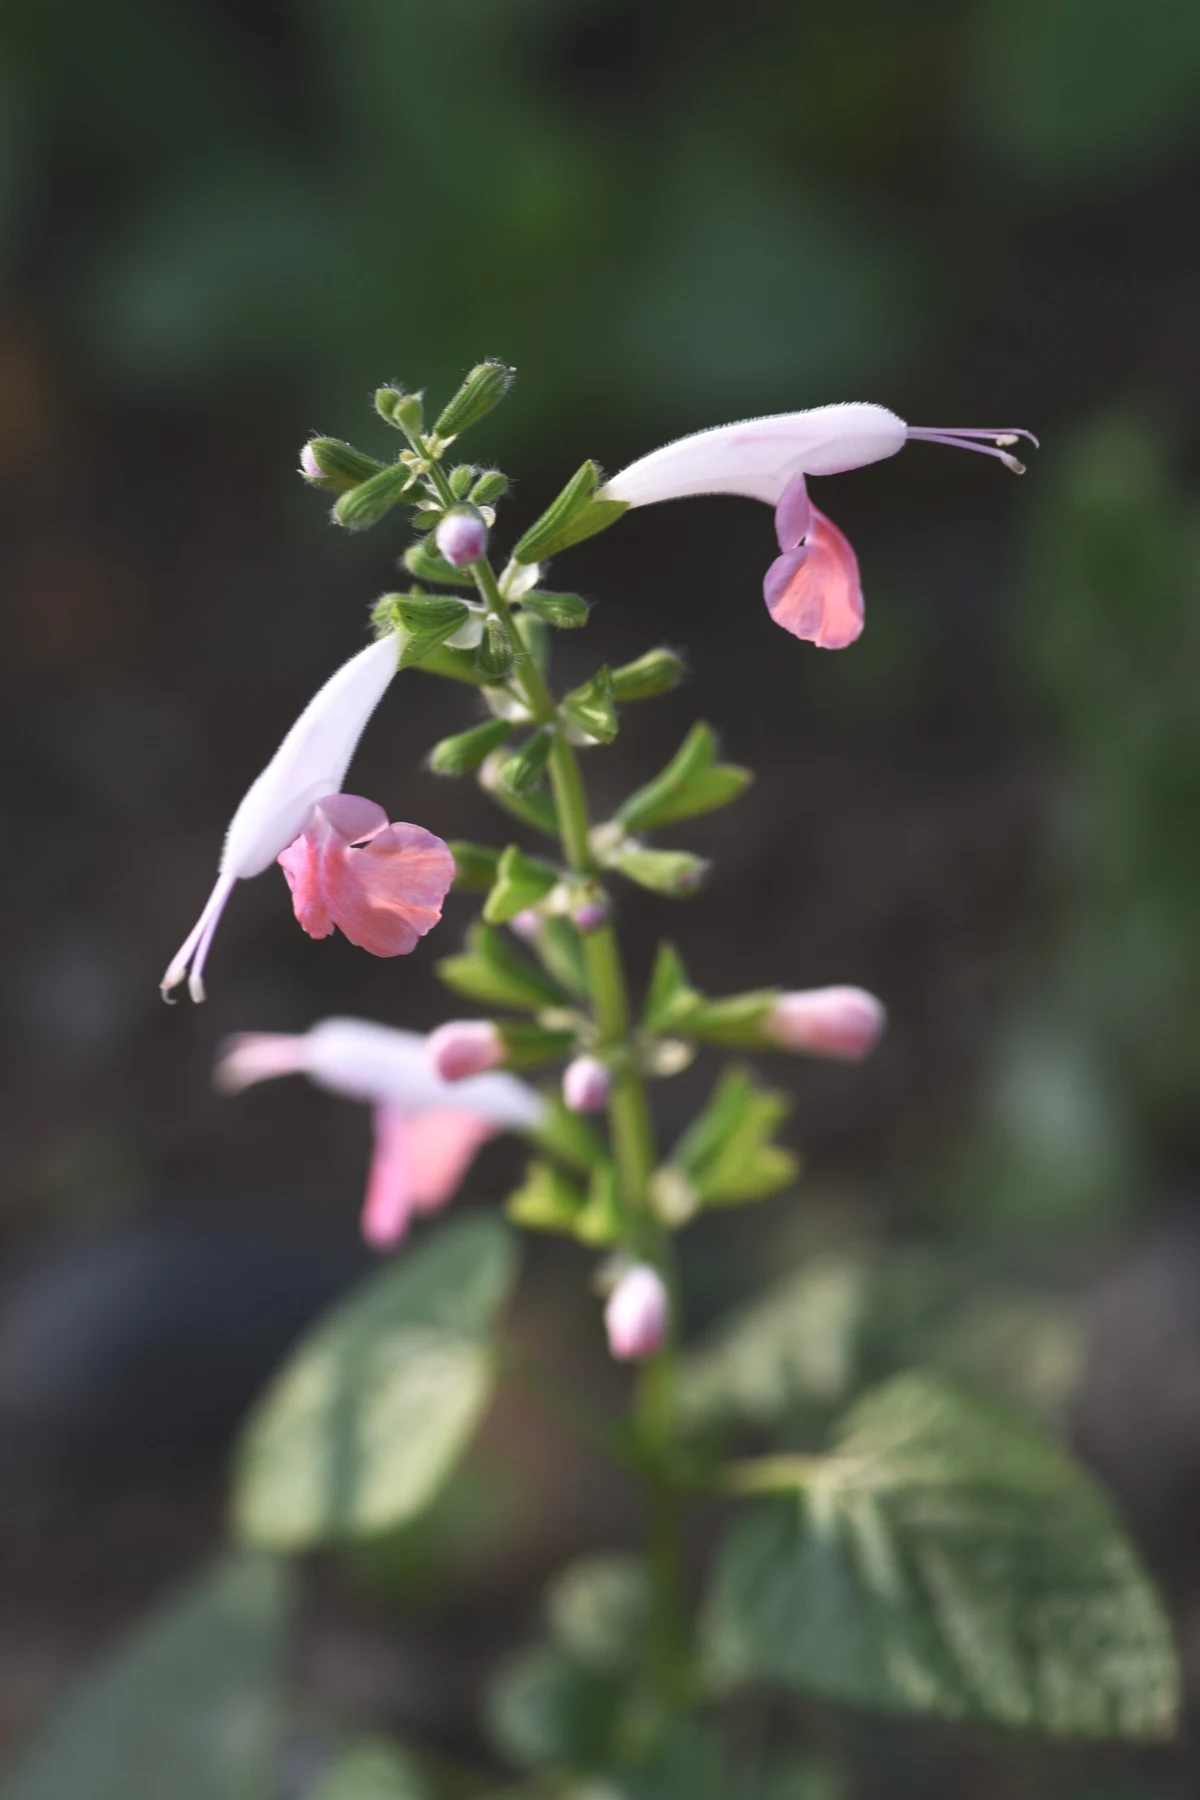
(436, 1099)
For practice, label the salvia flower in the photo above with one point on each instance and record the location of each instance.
(586, 1084)
(813, 588)
(843, 1022)
(636, 1314)
(464, 1047)
(426, 1132)
(384, 895)
(462, 536)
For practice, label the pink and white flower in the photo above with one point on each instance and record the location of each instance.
(464, 1047)
(637, 1314)
(842, 1022)
(383, 884)
(812, 589)
(427, 1131)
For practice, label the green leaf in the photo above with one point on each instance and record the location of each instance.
(545, 1201)
(494, 973)
(734, 1022)
(567, 1135)
(693, 782)
(566, 611)
(483, 388)
(947, 1557)
(427, 621)
(598, 1610)
(676, 873)
(545, 532)
(601, 1223)
(521, 881)
(367, 503)
(371, 1412)
(561, 949)
(462, 755)
(374, 1769)
(475, 866)
(797, 1344)
(591, 708)
(727, 1153)
(657, 672)
(525, 767)
(670, 995)
(528, 1046)
(187, 1705)
(544, 1711)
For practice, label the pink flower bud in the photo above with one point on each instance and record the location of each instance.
(464, 1047)
(462, 537)
(526, 924)
(845, 1022)
(590, 915)
(636, 1315)
(310, 468)
(586, 1084)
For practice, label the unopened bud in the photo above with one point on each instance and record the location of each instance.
(527, 924)
(483, 388)
(402, 410)
(490, 487)
(310, 468)
(338, 467)
(461, 537)
(844, 1022)
(655, 673)
(464, 1047)
(590, 915)
(494, 656)
(636, 1314)
(586, 1084)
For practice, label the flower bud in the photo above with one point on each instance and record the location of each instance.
(329, 463)
(844, 1022)
(655, 673)
(590, 915)
(484, 387)
(586, 1084)
(402, 410)
(461, 537)
(491, 486)
(464, 1047)
(310, 468)
(636, 1315)
(527, 923)
(494, 656)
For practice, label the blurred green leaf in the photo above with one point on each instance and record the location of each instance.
(186, 1705)
(946, 1557)
(598, 1610)
(374, 1769)
(545, 1711)
(727, 1153)
(371, 1412)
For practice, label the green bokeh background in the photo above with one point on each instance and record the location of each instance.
(220, 226)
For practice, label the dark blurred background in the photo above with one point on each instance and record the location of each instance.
(221, 225)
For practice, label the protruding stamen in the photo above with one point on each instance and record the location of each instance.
(956, 439)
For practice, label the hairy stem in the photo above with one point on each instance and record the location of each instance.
(632, 1132)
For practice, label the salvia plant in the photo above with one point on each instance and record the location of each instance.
(940, 1555)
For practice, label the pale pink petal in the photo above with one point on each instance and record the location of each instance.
(389, 1200)
(382, 885)
(814, 591)
(464, 1047)
(259, 1056)
(793, 515)
(637, 1314)
(441, 1148)
(844, 1022)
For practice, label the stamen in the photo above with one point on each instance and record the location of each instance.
(1002, 434)
(960, 441)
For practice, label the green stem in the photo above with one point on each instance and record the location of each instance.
(632, 1132)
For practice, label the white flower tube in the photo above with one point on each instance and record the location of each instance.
(310, 764)
(812, 589)
(426, 1130)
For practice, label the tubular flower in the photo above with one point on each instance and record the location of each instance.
(812, 588)
(843, 1022)
(464, 1047)
(427, 1132)
(278, 816)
